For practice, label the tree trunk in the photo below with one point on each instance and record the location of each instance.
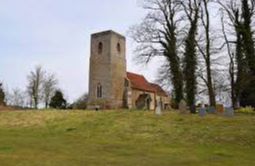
(208, 56)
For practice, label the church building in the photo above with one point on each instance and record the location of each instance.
(111, 86)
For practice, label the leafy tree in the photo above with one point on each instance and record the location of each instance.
(58, 101)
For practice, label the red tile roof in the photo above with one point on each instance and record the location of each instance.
(159, 90)
(139, 82)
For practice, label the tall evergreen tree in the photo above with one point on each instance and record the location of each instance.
(169, 43)
(190, 56)
(248, 93)
(240, 78)
(58, 101)
(249, 49)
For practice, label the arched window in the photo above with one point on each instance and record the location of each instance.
(99, 91)
(118, 48)
(100, 48)
(126, 84)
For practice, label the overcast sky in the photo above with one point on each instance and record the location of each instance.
(56, 35)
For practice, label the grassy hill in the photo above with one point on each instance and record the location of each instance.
(125, 138)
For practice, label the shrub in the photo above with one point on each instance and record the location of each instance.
(246, 110)
(2, 95)
(58, 101)
(81, 103)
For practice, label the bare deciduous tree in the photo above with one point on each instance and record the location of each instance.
(157, 36)
(231, 70)
(242, 57)
(17, 98)
(35, 82)
(207, 50)
(49, 87)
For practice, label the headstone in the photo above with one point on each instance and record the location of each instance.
(202, 112)
(183, 107)
(211, 110)
(158, 108)
(220, 108)
(97, 107)
(229, 112)
(193, 109)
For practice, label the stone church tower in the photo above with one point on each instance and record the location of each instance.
(107, 70)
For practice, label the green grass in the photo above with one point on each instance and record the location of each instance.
(125, 138)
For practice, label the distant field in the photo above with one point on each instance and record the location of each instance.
(125, 138)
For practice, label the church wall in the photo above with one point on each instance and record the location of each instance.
(136, 93)
(166, 100)
(163, 99)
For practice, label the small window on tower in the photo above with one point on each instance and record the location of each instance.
(99, 91)
(118, 48)
(100, 48)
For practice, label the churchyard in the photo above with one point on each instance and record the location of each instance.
(126, 138)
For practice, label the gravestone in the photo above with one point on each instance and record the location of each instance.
(220, 108)
(183, 107)
(202, 112)
(158, 108)
(97, 108)
(211, 110)
(193, 109)
(229, 112)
